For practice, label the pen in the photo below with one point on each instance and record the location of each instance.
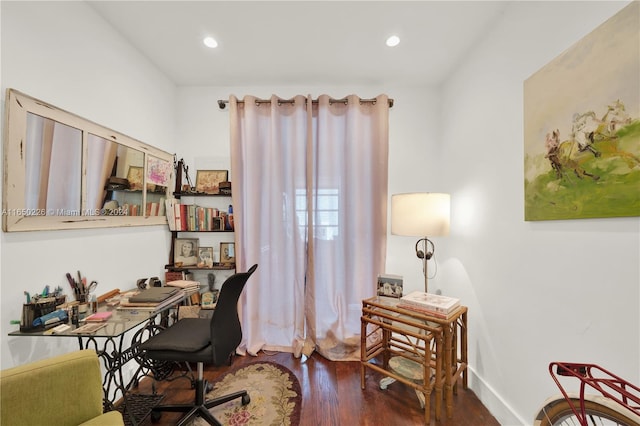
(72, 283)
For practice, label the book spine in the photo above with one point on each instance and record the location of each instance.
(429, 307)
(424, 311)
(170, 213)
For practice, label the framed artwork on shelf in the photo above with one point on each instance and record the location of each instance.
(135, 178)
(158, 171)
(185, 252)
(227, 253)
(205, 257)
(208, 181)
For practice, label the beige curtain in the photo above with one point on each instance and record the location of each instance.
(53, 153)
(101, 155)
(310, 191)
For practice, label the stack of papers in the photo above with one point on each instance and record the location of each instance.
(153, 295)
(153, 301)
(184, 284)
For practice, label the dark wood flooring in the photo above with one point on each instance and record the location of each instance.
(331, 395)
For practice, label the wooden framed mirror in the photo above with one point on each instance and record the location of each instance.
(62, 171)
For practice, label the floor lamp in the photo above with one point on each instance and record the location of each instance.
(421, 214)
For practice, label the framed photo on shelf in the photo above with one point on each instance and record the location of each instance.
(208, 181)
(135, 177)
(227, 253)
(209, 299)
(185, 252)
(205, 257)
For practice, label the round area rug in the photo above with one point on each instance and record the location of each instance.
(274, 392)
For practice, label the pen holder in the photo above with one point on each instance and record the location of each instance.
(82, 298)
(31, 311)
(83, 311)
(28, 315)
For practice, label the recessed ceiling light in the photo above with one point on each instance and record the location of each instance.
(393, 41)
(210, 42)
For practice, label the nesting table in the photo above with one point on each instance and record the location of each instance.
(408, 346)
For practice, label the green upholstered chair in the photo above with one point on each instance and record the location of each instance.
(62, 390)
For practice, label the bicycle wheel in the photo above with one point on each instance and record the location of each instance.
(559, 413)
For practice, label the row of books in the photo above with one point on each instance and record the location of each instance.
(191, 217)
(152, 209)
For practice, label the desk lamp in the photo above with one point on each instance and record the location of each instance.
(421, 214)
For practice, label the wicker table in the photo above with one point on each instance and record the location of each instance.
(438, 345)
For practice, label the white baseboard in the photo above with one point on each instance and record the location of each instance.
(493, 402)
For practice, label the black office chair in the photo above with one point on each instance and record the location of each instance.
(203, 340)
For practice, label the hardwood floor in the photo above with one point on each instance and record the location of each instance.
(331, 396)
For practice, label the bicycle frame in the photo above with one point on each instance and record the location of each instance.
(598, 379)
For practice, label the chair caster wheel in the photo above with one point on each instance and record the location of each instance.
(246, 399)
(155, 416)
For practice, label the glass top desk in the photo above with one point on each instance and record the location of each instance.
(438, 345)
(114, 349)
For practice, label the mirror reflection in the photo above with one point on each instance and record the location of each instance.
(114, 178)
(64, 172)
(53, 176)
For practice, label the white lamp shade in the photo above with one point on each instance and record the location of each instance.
(420, 214)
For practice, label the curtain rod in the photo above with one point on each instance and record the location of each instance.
(222, 104)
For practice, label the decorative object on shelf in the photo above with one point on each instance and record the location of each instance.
(421, 214)
(582, 127)
(117, 184)
(390, 285)
(227, 253)
(228, 223)
(185, 252)
(208, 181)
(225, 188)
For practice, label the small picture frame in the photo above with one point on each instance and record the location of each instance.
(209, 299)
(205, 257)
(208, 181)
(135, 176)
(185, 252)
(227, 253)
(390, 285)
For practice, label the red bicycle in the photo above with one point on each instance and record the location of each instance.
(603, 399)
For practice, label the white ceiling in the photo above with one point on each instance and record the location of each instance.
(302, 42)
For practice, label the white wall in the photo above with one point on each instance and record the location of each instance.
(64, 54)
(537, 291)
